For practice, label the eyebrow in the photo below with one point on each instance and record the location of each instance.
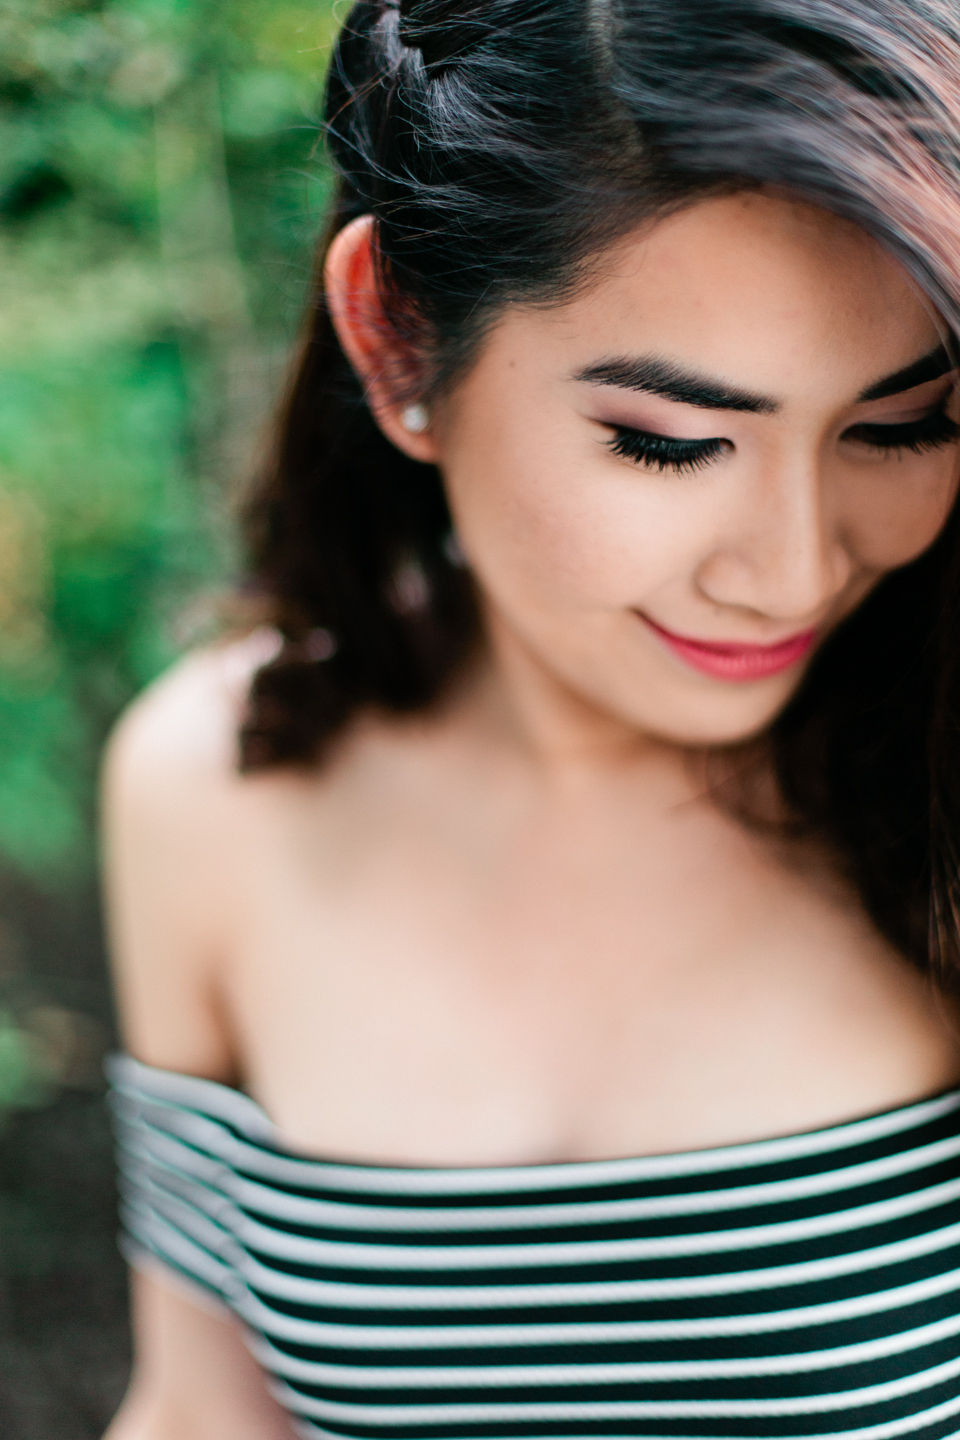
(928, 367)
(654, 376)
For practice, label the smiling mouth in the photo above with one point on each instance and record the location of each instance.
(731, 659)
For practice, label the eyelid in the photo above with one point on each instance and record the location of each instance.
(632, 428)
(933, 431)
(900, 421)
(910, 410)
(886, 420)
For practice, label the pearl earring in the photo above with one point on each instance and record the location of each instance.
(416, 418)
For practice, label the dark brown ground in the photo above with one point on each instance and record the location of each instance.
(64, 1351)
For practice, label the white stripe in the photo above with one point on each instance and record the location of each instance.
(131, 1077)
(283, 1167)
(309, 1210)
(400, 1258)
(194, 1143)
(325, 1334)
(505, 1412)
(173, 1248)
(439, 1377)
(160, 1148)
(132, 1080)
(197, 1226)
(153, 1176)
(479, 1297)
(891, 1428)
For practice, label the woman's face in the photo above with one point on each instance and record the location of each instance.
(673, 487)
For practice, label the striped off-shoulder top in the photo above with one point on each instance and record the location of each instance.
(807, 1286)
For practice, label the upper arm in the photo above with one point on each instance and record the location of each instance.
(168, 780)
(194, 1378)
(171, 803)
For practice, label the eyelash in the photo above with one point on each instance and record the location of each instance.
(931, 433)
(663, 452)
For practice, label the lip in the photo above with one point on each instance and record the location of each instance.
(732, 659)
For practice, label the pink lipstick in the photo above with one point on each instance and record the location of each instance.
(733, 660)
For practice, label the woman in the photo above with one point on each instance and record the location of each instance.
(591, 792)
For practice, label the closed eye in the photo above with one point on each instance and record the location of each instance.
(665, 452)
(932, 432)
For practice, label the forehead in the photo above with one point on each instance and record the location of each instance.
(759, 289)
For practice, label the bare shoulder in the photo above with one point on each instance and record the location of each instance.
(183, 728)
(172, 799)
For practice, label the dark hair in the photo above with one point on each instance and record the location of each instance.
(500, 145)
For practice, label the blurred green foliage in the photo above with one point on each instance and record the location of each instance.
(160, 187)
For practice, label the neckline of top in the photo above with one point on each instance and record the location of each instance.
(246, 1115)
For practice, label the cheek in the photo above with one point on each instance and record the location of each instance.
(552, 522)
(900, 512)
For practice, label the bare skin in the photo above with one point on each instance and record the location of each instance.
(516, 930)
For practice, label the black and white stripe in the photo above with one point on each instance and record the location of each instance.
(801, 1287)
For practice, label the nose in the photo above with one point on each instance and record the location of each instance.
(780, 552)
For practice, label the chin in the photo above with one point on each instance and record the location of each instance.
(708, 723)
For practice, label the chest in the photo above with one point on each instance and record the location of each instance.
(448, 997)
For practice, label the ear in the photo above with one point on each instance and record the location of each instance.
(385, 365)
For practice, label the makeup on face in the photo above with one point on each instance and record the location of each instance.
(731, 659)
(702, 464)
(928, 429)
(919, 428)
